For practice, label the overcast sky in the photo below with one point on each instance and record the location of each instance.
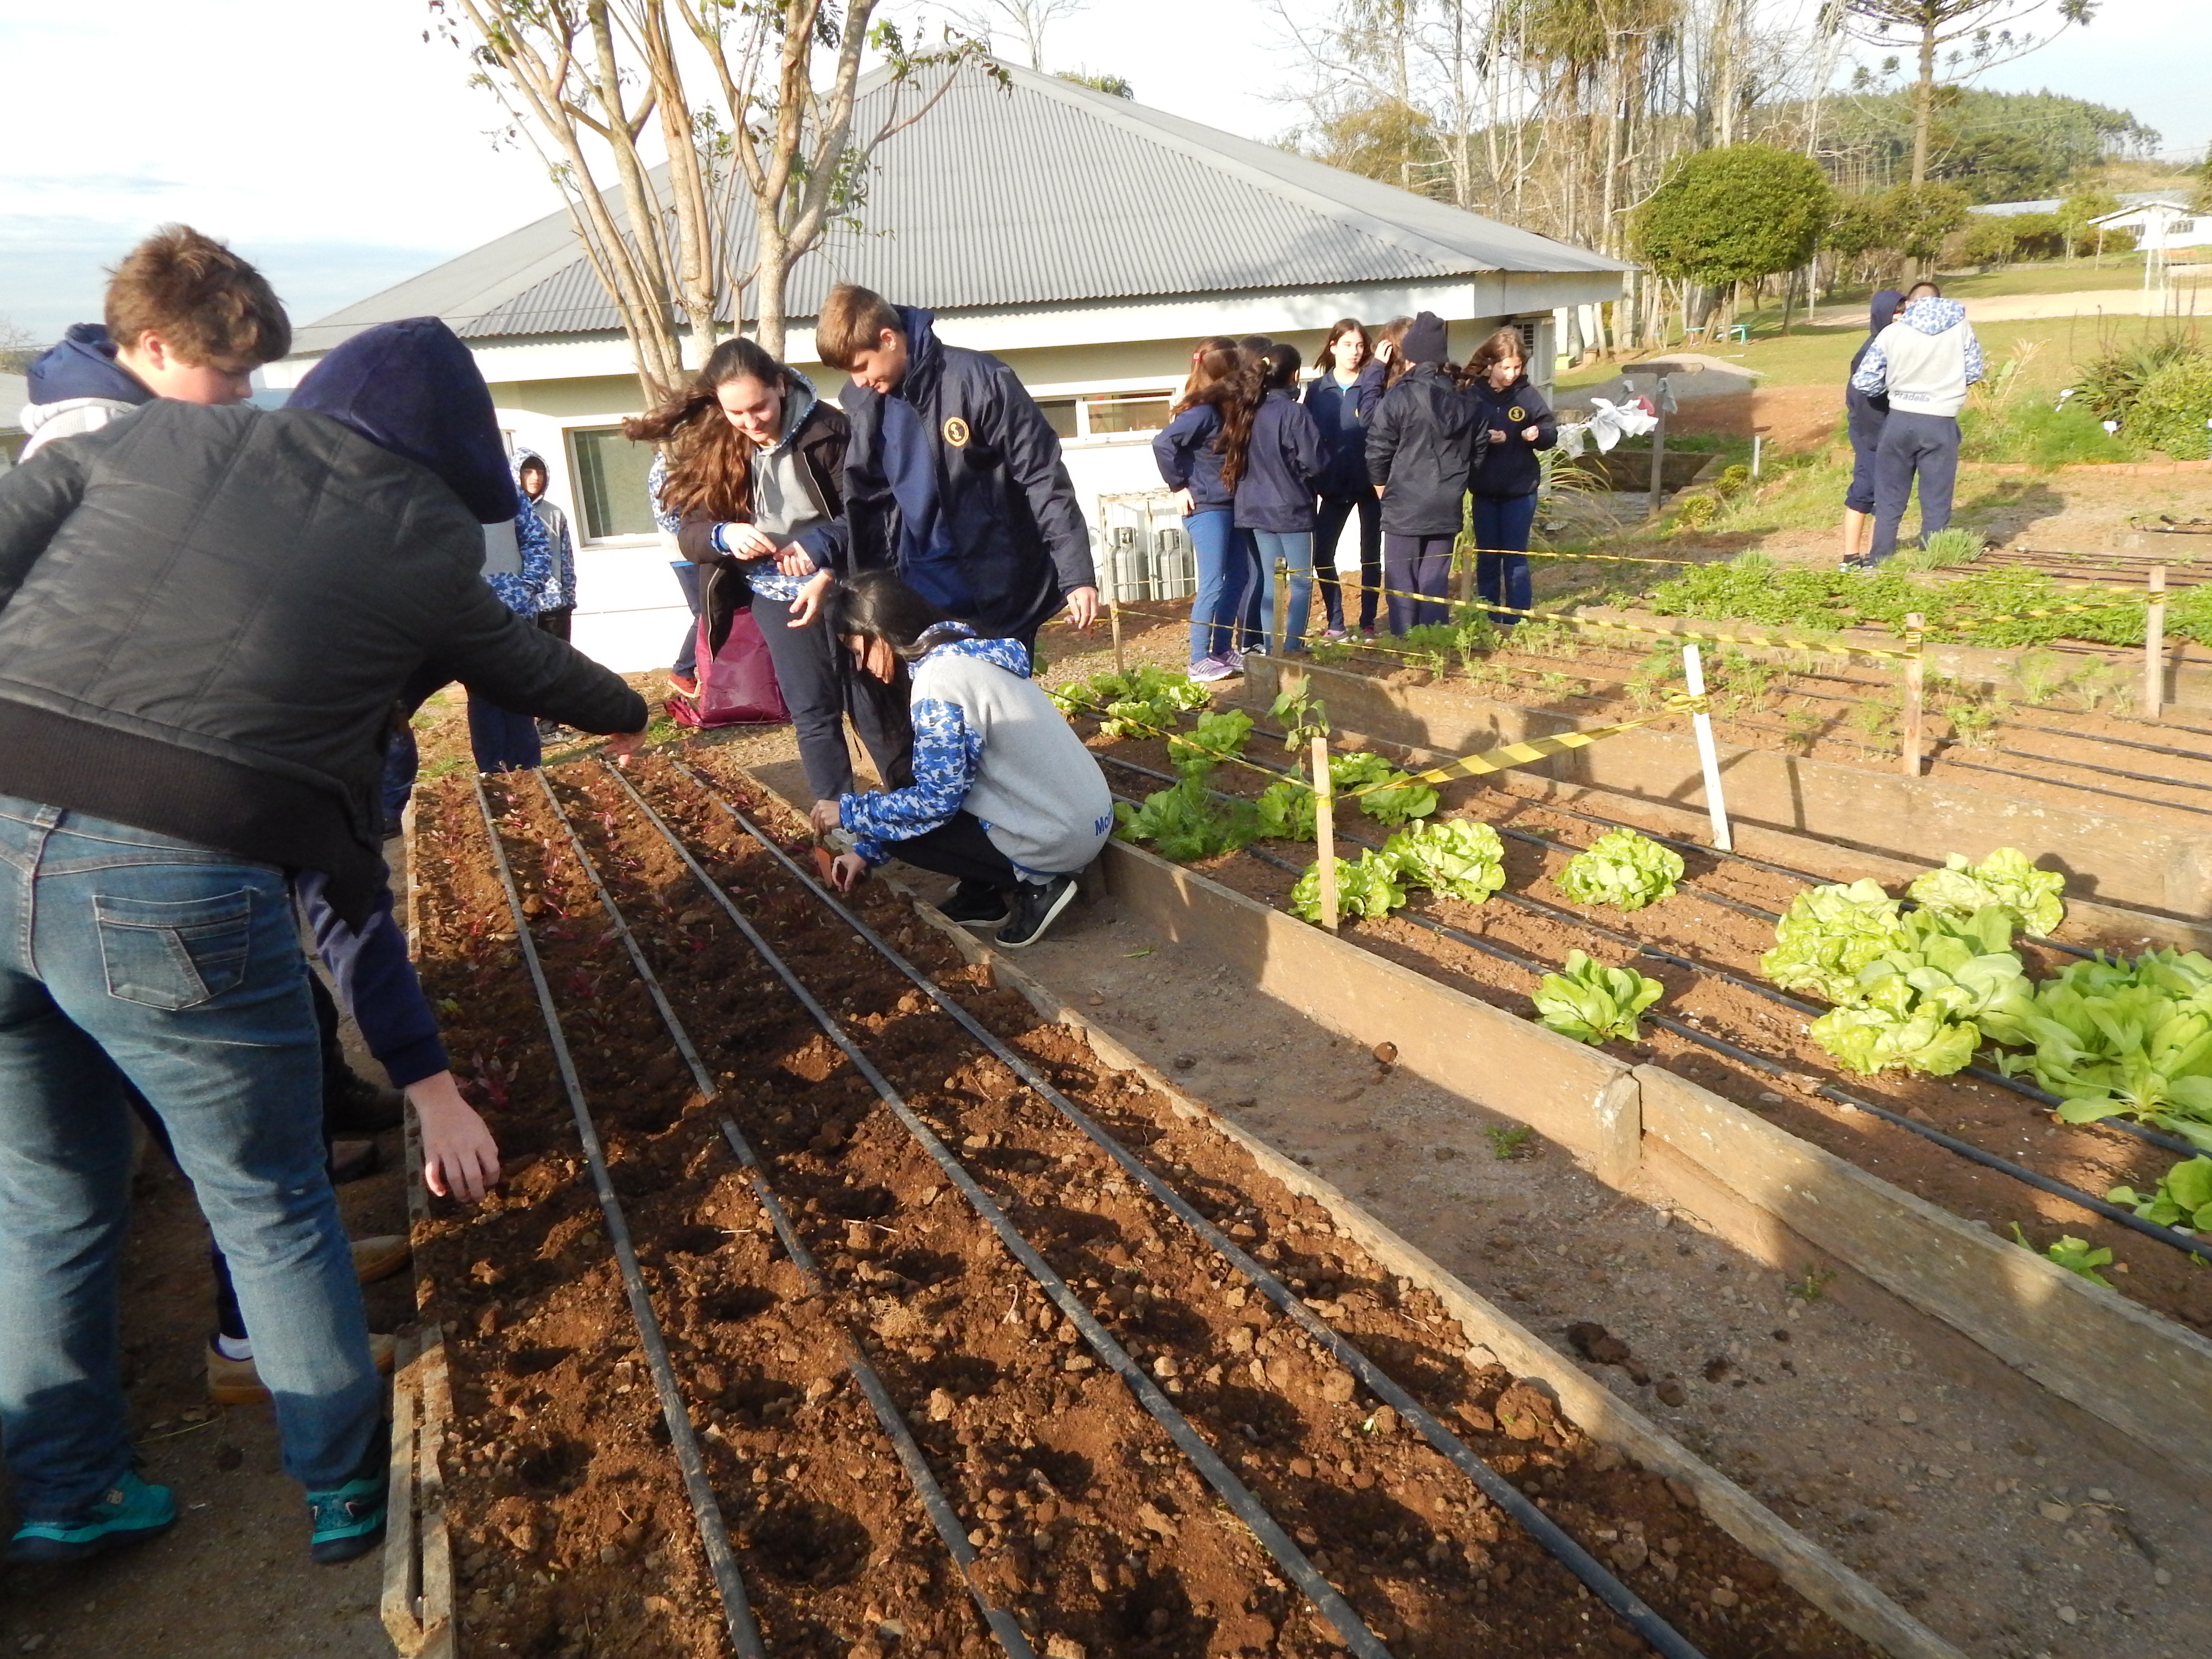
(343, 153)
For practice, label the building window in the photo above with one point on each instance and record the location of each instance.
(1140, 414)
(610, 472)
(1061, 412)
(2182, 227)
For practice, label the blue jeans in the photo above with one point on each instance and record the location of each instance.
(1335, 511)
(1295, 549)
(1502, 578)
(127, 954)
(501, 739)
(1223, 556)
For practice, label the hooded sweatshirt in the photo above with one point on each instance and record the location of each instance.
(986, 738)
(78, 385)
(1923, 362)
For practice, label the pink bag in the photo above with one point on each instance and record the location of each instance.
(737, 685)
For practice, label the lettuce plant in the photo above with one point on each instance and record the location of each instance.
(1186, 822)
(1591, 1002)
(2007, 880)
(1459, 858)
(1621, 868)
(1285, 811)
(1400, 800)
(1369, 888)
(2118, 1037)
(1828, 934)
(2182, 1198)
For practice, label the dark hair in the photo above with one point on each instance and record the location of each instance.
(1499, 345)
(1928, 283)
(211, 308)
(1343, 326)
(1215, 361)
(1257, 344)
(875, 604)
(531, 464)
(709, 460)
(852, 320)
(1280, 365)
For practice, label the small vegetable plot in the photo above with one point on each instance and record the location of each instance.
(1054, 1399)
(1914, 1033)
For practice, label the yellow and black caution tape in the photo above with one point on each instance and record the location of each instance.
(1504, 759)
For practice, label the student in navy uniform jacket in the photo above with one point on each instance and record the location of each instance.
(1340, 399)
(1514, 424)
(1220, 393)
(1864, 415)
(1421, 447)
(1275, 469)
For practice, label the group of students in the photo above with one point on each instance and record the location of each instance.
(215, 620)
(1387, 430)
(1908, 383)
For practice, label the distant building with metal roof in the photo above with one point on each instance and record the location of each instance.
(1086, 240)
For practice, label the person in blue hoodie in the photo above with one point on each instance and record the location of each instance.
(1342, 398)
(1864, 415)
(1516, 423)
(1005, 796)
(1220, 392)
(157, 803)
(953, 476)
(1274, 471)
(1924, 363)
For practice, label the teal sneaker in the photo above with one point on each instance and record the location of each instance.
(349, 1520)
(126, 1512)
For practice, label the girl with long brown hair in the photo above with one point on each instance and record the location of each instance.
(1516, 423)
(749, 481)
(1213, 414)
(1340, 399)
(1275, 466)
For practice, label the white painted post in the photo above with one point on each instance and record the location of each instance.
(1758, 443)
(2154, 691)
(1693, 676)
(1325, 832)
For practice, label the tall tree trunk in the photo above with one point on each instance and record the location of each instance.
(1924, 105)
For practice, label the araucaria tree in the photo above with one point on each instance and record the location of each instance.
(1733, 215)
(1956, 38)
(585, 81)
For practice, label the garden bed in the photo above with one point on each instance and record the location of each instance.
(572, 1532)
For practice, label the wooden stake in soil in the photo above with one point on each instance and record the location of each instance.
(1693, 678)
(1659, 450)
(1325, 832)
(2154, 691)
(1916, 681)
(1114, 620)
(1282, 622)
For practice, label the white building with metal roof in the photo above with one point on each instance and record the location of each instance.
(1086, 240)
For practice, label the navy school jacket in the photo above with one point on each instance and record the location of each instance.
(1283, 465)
(1187, 458)
(1510, 468)
(1342, 413)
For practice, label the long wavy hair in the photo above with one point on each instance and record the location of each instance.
(1392, 334)
(1256, 376)
(1206, 359)
(710, 462)
(1325, 364)
(1502, 343)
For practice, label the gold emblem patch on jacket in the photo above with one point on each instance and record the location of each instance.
(1516, 413)
(956, 432)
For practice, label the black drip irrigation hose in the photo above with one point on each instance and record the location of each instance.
(684, 1440)
(1268, 1533)
(2113, 771)
(2075, 1195)
(1631, 1609)
(942, 1517)
(2087, 788)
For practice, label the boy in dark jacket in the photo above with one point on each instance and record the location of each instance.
(1422, 447)
(953, 476)
(1865, 413)
(153, 803)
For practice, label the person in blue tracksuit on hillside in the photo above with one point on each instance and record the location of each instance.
(1219, 396)
(1865, 414)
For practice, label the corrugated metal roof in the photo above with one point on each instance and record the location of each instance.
(1043, 193)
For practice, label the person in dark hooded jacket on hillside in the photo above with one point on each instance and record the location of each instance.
(300, 566)
(1422, 447)
(1864, 414)
(953, 476)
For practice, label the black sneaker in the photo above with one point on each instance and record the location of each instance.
(1037, 906)
(975, 904)
(353, 1105)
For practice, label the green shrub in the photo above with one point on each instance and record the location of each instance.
(2112, 381)
(2171, 411)
(1696, 510)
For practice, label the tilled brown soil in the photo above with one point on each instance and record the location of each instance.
(574, 1534)
(2090, 1157)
